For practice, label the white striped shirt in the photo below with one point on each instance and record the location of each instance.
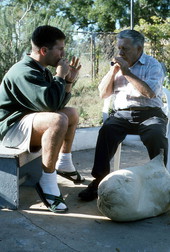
(149, 70)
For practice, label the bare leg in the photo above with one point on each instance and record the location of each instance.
(64, 165)
(71, 113)
(51, 131)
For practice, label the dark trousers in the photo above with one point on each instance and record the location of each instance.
(149, 124)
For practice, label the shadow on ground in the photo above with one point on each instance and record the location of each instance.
(33, 228)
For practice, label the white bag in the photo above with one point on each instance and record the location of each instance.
(136, 192)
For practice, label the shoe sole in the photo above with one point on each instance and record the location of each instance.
(68, 176)
(41, 195)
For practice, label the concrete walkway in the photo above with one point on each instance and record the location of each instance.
(32, 228)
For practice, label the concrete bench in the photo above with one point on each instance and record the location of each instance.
(16, 169)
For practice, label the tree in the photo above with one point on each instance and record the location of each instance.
(16, 26)
(102, 15)
(108, 14)
(157, 35)
(146, 9)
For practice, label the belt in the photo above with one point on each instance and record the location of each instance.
(138, 108)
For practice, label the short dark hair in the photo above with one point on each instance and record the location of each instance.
(47, 35)
(136, 37)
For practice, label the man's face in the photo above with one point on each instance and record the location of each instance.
(128, 51)
(55, 53)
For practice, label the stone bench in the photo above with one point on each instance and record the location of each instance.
(16, 169)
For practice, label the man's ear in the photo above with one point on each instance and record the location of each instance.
(43, 50)
(140, 49)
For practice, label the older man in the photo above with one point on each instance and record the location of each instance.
(136, 80)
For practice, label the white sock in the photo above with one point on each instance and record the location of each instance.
(64, 162)
(48, 183)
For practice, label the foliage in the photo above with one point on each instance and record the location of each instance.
(157, 35)
(16, 27)
(109, 13)
(99, 15)
(12, 41)
(167, 81)
(146, 9)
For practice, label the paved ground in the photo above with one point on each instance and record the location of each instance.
(32, 228)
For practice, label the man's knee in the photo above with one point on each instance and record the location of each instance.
(156, 142)
(105, 127)
(71, 113)
(59, 121)
(155, 135)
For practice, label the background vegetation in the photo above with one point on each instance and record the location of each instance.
(90, 27)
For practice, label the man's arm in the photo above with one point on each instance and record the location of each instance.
(107, 84)
(140, 85)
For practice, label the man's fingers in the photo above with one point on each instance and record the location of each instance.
(74, 62)
(78, 68)
(77, 62)
(72, 66)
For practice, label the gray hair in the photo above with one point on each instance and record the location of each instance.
(136, 37)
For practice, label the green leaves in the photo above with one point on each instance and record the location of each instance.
(17, 24)
(100, 15)
(157, 33)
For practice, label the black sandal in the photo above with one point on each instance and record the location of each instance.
(69, 175)
(57, 200)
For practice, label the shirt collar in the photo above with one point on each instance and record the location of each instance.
(141, 60)
(41, 67)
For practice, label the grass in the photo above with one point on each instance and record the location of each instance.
(85, 98)
(85, 94)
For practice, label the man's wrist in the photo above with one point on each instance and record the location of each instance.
(60, 76)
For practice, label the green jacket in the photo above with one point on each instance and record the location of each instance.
(25, 89)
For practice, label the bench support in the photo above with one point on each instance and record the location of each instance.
(9, 185)
(17, 167)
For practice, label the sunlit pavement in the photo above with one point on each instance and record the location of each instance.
(83, 228)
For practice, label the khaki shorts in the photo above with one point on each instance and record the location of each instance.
(19, 135)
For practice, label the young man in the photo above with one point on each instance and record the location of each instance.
(33, 113)
(136, 80)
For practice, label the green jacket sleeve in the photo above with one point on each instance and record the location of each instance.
(32, 91)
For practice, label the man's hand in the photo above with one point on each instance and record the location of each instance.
(74, 68)
(62, 69)
(122, 64)
(114, 67)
